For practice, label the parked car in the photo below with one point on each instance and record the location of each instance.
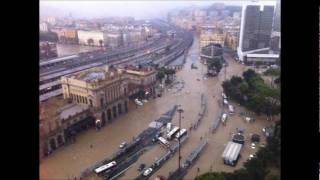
(122, 145)
(225, 102)
(138, 102)
(147, 172)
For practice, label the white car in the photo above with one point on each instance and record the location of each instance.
(138, 102)
(224, 117)
(225, 102)
(122, 145)
(251, 156)
(144, 100)
(147, 172)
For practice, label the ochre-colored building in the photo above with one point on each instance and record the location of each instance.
(106, 90)
(215, 36)
(68, 36)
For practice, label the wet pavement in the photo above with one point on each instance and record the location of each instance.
(69, 161)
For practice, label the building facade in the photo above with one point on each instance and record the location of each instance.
(232, 40)
(68, 36)
(44, 27)
(47, 50)
(107, 90)
(92, 38)
(59, 122)
(256, 27)
(212, 36)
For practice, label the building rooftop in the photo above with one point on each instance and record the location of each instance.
(49, 109)
(57, 107)
(72, 109)
(140, 69)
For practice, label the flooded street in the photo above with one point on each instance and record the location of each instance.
(69, 161)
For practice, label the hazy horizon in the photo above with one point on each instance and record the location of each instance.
(136, 9)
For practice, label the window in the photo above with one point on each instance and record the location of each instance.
(90, 100)
(101, 102)
(86, 100)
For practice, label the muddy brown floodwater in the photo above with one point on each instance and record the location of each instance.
(69, 161)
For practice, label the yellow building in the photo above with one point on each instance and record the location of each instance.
(106, 90)
(232, 41)
(215, 36)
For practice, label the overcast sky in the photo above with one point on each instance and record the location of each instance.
(137, 9)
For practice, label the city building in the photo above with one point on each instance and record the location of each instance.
(277, 17)
(275, 43)
(101, 93)
(92, 38)
(232, 40)
(261, 58)
(59, 122)
(47, 50)
(115, 39)
(210, 53)
(44, 27)
(211, 35)
(107, 90)
(51, 20)
(256, 27)
(68, 35)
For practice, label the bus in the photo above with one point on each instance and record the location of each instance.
(172, 132)
(181, 133)
(105, 167)
(163, 141)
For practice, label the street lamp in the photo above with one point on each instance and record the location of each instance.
(180, 110)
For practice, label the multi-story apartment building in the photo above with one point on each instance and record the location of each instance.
(232, 40)
(256, 27)
(212, 35)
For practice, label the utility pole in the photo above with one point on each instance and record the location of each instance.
(180, 110)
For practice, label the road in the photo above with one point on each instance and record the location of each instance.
(69, 161)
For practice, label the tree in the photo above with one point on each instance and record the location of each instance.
(101, 42)
(214, 64)
(211, 176)
(256, 170)
(249, 74)
(90, 42)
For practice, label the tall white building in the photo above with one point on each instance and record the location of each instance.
(255, 29)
